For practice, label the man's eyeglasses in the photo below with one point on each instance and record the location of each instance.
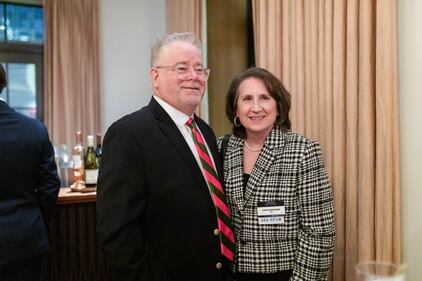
(183, 71)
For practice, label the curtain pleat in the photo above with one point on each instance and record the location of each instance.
(186, 16)
(72, 74)
(338, 59)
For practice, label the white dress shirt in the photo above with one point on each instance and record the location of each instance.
(180, 119)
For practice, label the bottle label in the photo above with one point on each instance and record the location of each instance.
(77, 161)
(91, 176)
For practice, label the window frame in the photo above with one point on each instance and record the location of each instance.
(26, 52)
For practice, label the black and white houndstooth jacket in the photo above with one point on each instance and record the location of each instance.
(290, 168)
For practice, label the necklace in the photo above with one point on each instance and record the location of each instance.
(252, 149)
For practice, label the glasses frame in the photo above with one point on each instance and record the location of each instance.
(183, 75)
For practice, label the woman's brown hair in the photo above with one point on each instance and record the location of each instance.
(274, 87)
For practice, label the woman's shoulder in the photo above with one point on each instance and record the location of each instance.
(292, 136)
(226, 138)
(231, 141)
(298, 142)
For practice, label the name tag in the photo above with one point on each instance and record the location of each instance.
(271, 212)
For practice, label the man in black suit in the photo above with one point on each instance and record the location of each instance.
(156, 218)
(29, 186)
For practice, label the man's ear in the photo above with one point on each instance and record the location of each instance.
(154, 77)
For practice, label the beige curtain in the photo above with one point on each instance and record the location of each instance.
(338, 59)
(72, 75)
(185, 16)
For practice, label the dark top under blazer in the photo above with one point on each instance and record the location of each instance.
(289, 168)
(28, 185)
(155, 213)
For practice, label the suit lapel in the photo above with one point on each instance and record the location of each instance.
(272, 145)
(170, 130)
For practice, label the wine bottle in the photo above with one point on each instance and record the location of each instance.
(78, 163)
(91, 163)
(98, 149)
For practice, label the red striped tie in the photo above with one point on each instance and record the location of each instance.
(217, 193)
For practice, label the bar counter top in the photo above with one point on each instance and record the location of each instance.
(67, 196)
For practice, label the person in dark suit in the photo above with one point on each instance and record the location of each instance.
(276, 185)
(156, 218)
(29, 186)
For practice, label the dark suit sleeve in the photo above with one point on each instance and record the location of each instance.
(49, 183)
(121, 202)
(317, 230)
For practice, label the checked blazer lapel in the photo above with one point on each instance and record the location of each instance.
(234, 178)
(173, 134)
(273, 143)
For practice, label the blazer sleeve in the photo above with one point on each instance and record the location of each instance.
(121, 203)
(317, 228)
(49, 183)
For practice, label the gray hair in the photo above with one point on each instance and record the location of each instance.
(187, 37)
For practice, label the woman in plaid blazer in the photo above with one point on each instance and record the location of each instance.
(277, 188)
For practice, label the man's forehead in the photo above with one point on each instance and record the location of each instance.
(185, 62)
(180, 51)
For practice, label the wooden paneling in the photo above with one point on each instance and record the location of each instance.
(227, 54)
(74, 254)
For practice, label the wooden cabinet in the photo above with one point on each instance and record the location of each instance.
(75, 255)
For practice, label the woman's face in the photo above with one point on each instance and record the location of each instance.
(256, 108)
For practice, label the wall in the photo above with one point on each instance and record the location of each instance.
(128, 28)
(410, 98)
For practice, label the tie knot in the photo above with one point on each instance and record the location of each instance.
(190, 123)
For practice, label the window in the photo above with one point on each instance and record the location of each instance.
(21, 53)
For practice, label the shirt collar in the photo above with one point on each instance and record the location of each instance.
(176, 115)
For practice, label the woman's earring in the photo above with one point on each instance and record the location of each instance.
(237, 124)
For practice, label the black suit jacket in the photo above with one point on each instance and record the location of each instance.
(155, 214)
(28, 185)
